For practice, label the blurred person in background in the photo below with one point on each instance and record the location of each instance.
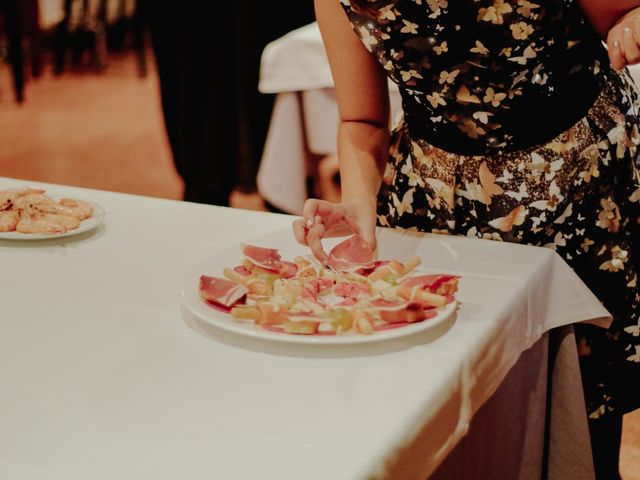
(208, 58)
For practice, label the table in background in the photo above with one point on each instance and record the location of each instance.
(304, 122)
(103, 376)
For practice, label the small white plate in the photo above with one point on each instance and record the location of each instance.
(85, 226)
(196, 306)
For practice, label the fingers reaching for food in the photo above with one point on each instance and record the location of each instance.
(322, 219)
(623, 41)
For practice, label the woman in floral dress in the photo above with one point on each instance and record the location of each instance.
(518, 126)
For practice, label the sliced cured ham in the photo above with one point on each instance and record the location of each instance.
(352, 254)
(268, 258)
(351, 289)
(382, 303)
(347, 302)
(287, 269)
(242, 270)
(313, 288)
(366, 271)
(440, 284)
(221, 291)
(399, 311)
(427, 315)
(354, 295)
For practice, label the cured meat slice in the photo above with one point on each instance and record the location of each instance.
(351, 289)
(382, 303)
(287, 269)
(352, 253)
(347, 302)
(313, 288)
(221, 291)
(242, 270)
(372, 267)
(440, 284)
(397, 311)
(427, 314)
(354, 294)
(268, 258)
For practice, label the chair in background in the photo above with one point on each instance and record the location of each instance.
(32, 38)
(89, 29)
(81, 31)
(10, 11)
(139, 30)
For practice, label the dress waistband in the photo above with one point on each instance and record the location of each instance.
(535, 121)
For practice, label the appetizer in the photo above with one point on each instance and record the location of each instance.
(351, 294)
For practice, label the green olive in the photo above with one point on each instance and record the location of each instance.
(342, 319)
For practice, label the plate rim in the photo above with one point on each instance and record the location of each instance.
(194, 305)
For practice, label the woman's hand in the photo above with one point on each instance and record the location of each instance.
(623, 40)
(322, 219)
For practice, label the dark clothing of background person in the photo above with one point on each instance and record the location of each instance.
(208, 58)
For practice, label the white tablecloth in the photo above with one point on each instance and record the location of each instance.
(103, 375)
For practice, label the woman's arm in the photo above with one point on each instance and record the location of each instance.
(618, 21)
(363, 135)
(363, 103)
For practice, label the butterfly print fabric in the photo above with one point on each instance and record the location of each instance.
(516, 129)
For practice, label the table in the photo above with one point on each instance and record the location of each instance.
(103, 375)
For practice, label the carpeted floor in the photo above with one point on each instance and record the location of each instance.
(630, 455)
(84, 129)
(106, 132)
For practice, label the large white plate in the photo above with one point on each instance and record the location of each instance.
(85, 226)
(196, 306)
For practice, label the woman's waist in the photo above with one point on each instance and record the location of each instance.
(530, 121)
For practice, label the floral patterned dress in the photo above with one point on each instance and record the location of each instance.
(516, 129)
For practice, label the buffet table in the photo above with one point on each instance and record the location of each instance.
(104, 374)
